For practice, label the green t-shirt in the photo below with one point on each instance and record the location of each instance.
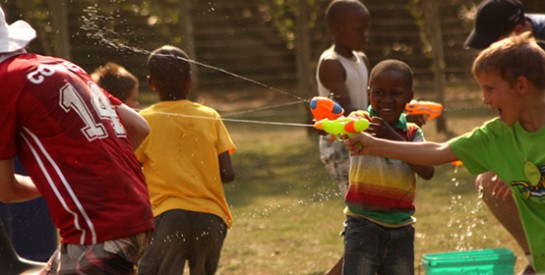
(518, 158)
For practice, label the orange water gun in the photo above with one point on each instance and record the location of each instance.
(328, 116)
(323, 107)
(429, 109)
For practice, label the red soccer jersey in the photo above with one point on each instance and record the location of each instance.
(71, 142)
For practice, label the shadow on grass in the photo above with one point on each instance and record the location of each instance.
(294, 172)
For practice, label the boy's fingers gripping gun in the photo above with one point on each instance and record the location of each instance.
(328, 116)
(429, 109)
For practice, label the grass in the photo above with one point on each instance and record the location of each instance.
(288, 212)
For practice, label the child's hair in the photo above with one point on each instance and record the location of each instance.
(394, 65)
(115, 79)
(169, 69)
(511, 58)
(337, 9)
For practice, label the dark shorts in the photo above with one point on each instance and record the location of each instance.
(182, 235)
(371, 249)
(111, 257)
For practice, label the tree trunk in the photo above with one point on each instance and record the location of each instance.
(433, 28)
(188, 40)
(305, 81)
(59, 22)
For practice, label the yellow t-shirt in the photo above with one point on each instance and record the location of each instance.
(180, 158)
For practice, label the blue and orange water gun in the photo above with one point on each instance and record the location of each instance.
(328, 116)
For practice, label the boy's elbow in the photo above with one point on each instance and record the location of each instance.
(428, 174)
(139, 134)
(227, 177)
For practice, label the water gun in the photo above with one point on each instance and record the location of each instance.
(457, 163)
(323, 107)
(328, 116)
(429, 109)
(342, 126)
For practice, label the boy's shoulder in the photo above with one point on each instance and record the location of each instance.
(179, 106)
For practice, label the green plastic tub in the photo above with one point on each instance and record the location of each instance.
(472, 262)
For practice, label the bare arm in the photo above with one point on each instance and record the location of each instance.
(226, 168)
(13, 187)
(382, 129)
(332, 75)
(416, 153)
(136, 126)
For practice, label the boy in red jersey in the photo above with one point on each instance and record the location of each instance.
(69, 135)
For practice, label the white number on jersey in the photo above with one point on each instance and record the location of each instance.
(70, 99)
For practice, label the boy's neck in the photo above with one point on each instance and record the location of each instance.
(173, 98)
(345, 52)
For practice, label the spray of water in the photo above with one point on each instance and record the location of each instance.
(106, 36)
(466, 226)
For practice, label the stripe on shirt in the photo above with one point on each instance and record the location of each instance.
(60, 175)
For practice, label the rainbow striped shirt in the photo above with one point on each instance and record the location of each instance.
(382, 189)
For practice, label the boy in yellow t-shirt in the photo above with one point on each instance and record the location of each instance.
(186, 158)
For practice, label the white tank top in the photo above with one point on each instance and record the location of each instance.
(357, 77)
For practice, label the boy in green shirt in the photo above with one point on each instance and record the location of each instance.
(510, 74)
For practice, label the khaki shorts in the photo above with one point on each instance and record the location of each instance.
(111, 257)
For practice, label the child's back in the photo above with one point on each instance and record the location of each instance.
(186, 161)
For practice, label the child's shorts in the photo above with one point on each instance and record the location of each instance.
(337, 161)
(114, 257)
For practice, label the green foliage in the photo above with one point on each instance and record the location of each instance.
(283, 14)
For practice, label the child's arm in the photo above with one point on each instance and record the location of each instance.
(332, 75)
(381, 129)
(13, 187)
(136, 126)
(424, 171)
(418, 153)
(226, 168)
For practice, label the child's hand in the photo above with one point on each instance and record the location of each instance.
(382, 129)
(359, 144)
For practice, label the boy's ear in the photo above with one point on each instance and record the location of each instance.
(188, 85)
(522, 85)
(335, 29)
(411, 96)
(150, 83)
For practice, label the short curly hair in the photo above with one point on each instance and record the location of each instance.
(115, 79)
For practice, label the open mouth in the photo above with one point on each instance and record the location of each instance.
(386, 110)
(500, 113)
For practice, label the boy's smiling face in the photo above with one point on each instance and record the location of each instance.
(353, 32)
(389, 92)
(499, 95)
